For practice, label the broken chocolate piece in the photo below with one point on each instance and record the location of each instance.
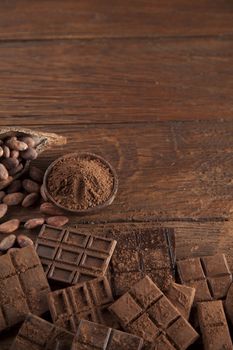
(209, 275)
(213, 324)
(229, 303)
(38, 334)
(96, 336)
(71, 256)
(86, 300)
(23, 286)
(182, 298)
(144, 310)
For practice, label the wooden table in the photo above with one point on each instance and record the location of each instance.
(146, 84)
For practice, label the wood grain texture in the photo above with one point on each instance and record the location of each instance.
(167, 170)
(30, 19)
(103, 81)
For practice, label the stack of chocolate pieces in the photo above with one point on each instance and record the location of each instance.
(113, 287)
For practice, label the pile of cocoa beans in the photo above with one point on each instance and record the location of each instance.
(26, 191)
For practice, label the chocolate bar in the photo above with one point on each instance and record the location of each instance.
(141, 251)
(209, 275)
(182, 298)
(229, 304)
(23, 286)
(144, 310)
(38, 334)
(92, 336)
(213, 324)
(71, 256)
(87, 300)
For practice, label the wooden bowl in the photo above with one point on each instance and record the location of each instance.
(89, 210)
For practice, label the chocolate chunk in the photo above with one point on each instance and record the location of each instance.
(142, 251)
(23, 286)
(229, 303)
(144, 310)
(213, 324)
(210, 275)
(92, 335)
(38, 334)
(182, 298)
(86, 300)
(72, 256)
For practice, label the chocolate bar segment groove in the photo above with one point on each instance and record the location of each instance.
(87, 300)
(144, 310)
(72, 256)
(92, 336)
(38, 334)
(210, 275)
(23, 286)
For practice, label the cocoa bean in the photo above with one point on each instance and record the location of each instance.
(13, 198)
(57, 221)
(1, 151)
(5, 183)
(42, 192)
(3, 210)
(7, 242)
(15, 186)
(31, 186)
(50, 209)
(14, 154)
(10, 163)
(9, 226)
(36, 174)
(17, 145)
(24, 241)
(30, 200)
(28, 140)
(6, 151)
(29, 154)
(3, 172)
(2, 194)
(33, 223)
(16, 170)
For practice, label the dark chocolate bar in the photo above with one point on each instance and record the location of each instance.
(92, 336)
(144, 310)
(38, 334)
(182, 298)
(87, 300)
(141, 251)
(71, 256)
(23, 286)
(213, 324)
(209, 275)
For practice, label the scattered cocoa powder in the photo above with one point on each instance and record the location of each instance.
(80, 183)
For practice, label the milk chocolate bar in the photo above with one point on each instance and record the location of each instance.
(92, 336)
(87, 300)
(140, 251)
(71, 256)
(213, 324)
(23, 286)
(182, 298)
(209, 275)
(38, 334)
(144, 310)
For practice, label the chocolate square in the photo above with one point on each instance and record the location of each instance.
(71, 256)
(23, 286)
(153, 318)
(210, 275)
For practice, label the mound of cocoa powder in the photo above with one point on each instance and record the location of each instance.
(80, 183)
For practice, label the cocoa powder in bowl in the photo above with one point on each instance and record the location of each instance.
(79, 182)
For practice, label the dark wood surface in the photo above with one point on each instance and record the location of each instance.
(146, 84)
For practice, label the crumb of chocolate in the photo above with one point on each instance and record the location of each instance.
(80, 183)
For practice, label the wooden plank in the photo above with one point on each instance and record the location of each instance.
(167, 171)
(30, 19)
(105, 81)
